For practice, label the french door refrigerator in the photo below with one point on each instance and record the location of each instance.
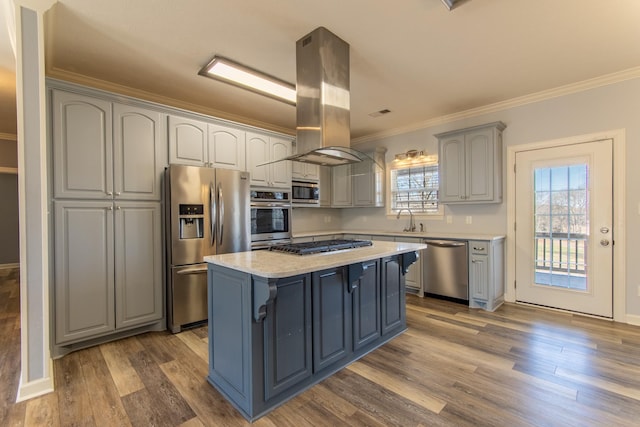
(207, 213)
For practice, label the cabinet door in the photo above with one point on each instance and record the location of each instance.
(82, 146)
(478, 277)
(287, 335)
(281, 171)
(479, 165)
(298, 170)
(366, 307)
(258, 153)
(363, 184)
(325, 186)
(139, 152)
(187, 141)
(84, 280)
(341, 186)
(393, 297)
(138, 263)
(226, 147)
(452, 169)
(331, 317)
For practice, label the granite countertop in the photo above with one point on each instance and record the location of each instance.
(278, 264)
(411, 234)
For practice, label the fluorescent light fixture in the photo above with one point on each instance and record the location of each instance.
(225, 70)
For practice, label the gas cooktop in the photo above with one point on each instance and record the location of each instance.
(307, 248)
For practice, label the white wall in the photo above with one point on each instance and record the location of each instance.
(616, 106)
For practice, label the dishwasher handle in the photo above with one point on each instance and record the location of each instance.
(445, 243)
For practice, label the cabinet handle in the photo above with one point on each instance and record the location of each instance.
(473, 261)
(110, 208)
(109, 193)
(118, 207)
(478, 249)
(118, 193)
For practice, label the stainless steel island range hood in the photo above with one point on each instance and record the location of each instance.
(323, 131)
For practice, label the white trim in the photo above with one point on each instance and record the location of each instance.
(607, 79)
(35, 388)
(9, 266)
(8, 136)
(13, 171)
(619, 252)
(633, 319)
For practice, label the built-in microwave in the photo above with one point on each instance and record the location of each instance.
(270, 216)
(307, 193)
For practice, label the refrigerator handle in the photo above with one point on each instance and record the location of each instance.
(212, 215)
(221, 219)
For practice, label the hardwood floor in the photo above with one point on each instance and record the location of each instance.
(455, 366)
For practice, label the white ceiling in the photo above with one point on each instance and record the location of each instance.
(413, 57)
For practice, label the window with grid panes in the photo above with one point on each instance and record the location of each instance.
(415, 187)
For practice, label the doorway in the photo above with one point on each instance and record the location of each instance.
(564, 227)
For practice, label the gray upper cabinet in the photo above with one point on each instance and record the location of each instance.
(82, 146)
(359, 184)
(368, 180)
(471, 164)
(198, 143)
(341, 186)
(261, 149)
(104, 150)
(139, 152)
(325, 186)
(187, 141)
(226, 147)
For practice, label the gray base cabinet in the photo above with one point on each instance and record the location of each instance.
(270, 339)
(108, 267)
(486, 274)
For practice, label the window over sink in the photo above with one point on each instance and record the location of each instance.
(415, 187)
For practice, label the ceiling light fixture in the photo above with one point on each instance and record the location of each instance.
(225, 70)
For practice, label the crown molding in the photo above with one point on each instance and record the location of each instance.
(607, 79)
(93, 82)
(8, 136)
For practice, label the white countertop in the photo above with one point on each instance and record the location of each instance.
(412, 234)
(278, 264)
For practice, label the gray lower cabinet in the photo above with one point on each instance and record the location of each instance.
(270, 339)
(393, 297)
(331, 317)
(108, 267)
(287, 336)
(367, 326)
(486, 274)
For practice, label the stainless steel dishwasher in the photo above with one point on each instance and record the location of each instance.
(445, 269)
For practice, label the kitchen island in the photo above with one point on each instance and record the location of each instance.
(280, 323)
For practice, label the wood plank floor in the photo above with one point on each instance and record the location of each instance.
(455, 366)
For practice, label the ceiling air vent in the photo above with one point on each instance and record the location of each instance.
(380, 113)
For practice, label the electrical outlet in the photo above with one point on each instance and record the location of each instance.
(468, 219)
(449, 219)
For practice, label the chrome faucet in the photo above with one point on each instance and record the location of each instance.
(412, 226)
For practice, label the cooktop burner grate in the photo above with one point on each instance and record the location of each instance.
(307, 248)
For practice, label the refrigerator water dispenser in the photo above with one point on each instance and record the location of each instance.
(191, 221)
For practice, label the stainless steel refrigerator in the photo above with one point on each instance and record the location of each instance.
(207, 213)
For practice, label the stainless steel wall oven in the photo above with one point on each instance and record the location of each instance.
(270, 217)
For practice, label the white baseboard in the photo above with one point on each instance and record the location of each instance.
(35, 388)
(6, 266)
(633, 319)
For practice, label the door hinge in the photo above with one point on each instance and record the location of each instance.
(515, 284)
(514, 168)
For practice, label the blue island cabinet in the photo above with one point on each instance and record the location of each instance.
(272, 338)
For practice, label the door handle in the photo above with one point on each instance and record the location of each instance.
(195, 270)
(604, 242)
(212, 215)
(221, 216)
